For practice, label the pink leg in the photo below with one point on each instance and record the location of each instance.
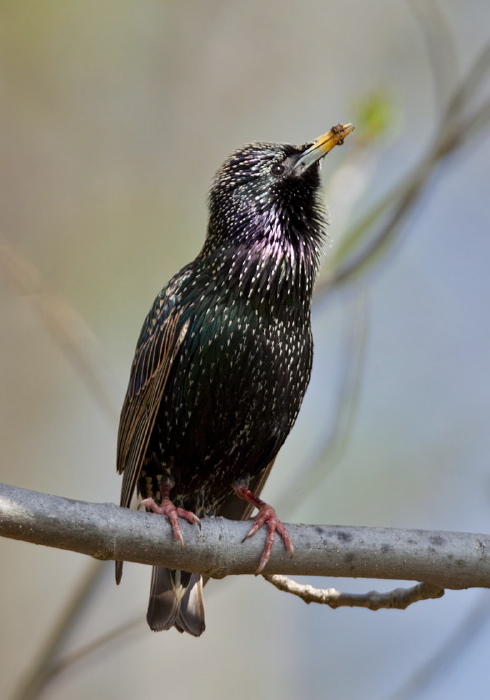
(266, 514)
(172, 512)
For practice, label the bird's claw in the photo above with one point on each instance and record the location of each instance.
(268, 515)
(173, 513)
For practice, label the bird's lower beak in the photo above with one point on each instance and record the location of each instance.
(322, 146)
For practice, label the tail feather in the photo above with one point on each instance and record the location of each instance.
(119, 569)
(176, 601)
(176, 596)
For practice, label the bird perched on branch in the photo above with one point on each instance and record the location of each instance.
(224, 359)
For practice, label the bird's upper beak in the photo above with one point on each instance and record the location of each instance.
(323, 145)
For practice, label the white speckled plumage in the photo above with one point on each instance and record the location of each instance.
(224, 357)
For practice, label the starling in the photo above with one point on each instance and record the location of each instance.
(224, 359)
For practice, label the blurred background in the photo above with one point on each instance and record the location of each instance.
(114, 117)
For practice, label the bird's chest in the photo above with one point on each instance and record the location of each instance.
(251, 357)
(237, 376)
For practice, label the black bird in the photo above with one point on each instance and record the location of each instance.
(224, 359)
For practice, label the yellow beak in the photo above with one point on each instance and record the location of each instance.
(323, 145)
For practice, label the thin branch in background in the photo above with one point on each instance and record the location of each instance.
(359, 250)
(42, 669)
(444, 68)
(49, 667)
(449, 653)
(67, 328)
(73, 336)
(441, 49)
(399, 598)
(467, 91)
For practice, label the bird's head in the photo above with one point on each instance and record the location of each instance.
(269, 189)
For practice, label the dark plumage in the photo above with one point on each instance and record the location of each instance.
(224, 358)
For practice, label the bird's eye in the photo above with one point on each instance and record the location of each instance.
(277, 169)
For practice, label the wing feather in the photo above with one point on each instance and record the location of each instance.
(157, 349)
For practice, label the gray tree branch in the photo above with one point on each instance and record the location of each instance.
(105, 531)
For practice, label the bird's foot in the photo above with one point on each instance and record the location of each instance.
(268, 515)
(172, 512)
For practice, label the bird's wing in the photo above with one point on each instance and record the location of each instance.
(157, 348)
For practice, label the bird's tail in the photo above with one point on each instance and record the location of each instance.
(176, 601)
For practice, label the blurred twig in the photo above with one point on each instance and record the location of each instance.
(445, 74)
(72, 335)
(76, 340)
(66, 326)
(440, 47)
(54, 666)
(448, 655)
(47, 665)
(380, 229)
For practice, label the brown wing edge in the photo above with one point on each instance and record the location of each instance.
(138, 414)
